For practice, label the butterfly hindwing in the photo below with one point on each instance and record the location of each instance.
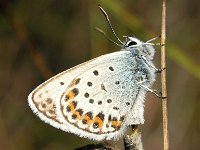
(91, 99)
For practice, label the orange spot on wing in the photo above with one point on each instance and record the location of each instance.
(87, 119)
(72, 106)
(77, 114)
(116, 124)
(74, 82)
(71, 95)
(99, 121)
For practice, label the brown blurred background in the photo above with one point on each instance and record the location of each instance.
(39, 39)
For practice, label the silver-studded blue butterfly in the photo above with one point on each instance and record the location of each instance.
(100, 98)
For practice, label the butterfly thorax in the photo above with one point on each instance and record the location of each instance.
(138, 48)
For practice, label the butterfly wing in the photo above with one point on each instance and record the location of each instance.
(91, 99)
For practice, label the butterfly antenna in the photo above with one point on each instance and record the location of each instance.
(149, 41)
(153, 39)
(102, 32)
(108, 20)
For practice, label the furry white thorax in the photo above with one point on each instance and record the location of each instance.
(138, 47)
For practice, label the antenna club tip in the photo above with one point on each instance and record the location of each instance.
(100, 6)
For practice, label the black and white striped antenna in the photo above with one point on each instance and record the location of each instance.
(108, 20)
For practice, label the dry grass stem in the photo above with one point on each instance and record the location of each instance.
(163, 78)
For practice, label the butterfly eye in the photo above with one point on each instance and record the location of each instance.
(131, 43)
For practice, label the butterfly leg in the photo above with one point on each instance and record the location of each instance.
(157, 93)
(156, 69)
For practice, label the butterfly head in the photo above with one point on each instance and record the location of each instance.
(138, 47)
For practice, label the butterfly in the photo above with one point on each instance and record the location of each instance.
(101, 98)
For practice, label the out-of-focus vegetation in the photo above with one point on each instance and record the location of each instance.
(39, 39)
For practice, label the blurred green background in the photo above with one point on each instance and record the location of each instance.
(39, 39)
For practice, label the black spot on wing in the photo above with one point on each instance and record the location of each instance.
(122, 118)
(95, 125)
(74, 116)
(101, 116)
(89, 83)
(116, 108)
(75, 91)
(111, 68)
(91, 101)
(84, 121)
(99, 102)
(96, 73)
(89, 114)
(109, 118)
(114, 119)
(117, 82)
(80, 111)
(86, 95)
(109, 100)
(77, 81)
(66, 97)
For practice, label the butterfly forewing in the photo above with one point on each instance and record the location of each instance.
(95, 100)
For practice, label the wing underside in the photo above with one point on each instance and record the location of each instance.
(91, 99)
